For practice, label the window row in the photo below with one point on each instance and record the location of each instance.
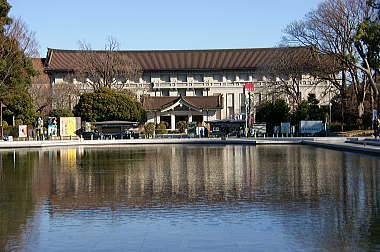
(183, 78)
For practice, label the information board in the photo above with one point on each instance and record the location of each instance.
(311, 127)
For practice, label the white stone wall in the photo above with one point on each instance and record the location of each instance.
(229, 84)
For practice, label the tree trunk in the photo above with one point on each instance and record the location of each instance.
(360, 114)
(342, 95)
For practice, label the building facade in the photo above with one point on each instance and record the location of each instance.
(179, 74)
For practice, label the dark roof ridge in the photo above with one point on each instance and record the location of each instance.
(183, 50)
(173, 60)
(153, 103)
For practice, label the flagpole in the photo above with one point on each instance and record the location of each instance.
(246, 113)
(1, 120)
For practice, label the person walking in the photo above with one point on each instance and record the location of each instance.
(376, 124)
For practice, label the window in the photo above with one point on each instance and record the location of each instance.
(165, 78)
(146, 78)
(218, 115)
(230, 105)
(230, 112)
(231, 77)
(218, 78)
(182, 78)
(182, 92)
(165, 92)
(258, 97)
(198, 78)
(243, 77)
(198, 92)
(242, 99)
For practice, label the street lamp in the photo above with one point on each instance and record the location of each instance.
(1, 119)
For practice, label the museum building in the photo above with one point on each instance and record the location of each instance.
(193, 85)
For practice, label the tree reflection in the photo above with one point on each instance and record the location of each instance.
(335, 194)
(17, 181)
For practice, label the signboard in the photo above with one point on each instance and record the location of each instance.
(249, 86)
(259, 129)
(68, 126)
(22, 131)
(311, 127)
(285, 128)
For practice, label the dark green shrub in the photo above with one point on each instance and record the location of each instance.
(149, 129)
(161, 128)
(181, 126)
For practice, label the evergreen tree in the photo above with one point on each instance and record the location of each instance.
(4, 19)
(16, 71)
(309, 110)
(273, 113)
(108, 104)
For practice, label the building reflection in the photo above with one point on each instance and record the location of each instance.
(287, 180)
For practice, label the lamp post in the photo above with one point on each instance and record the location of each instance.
(248, 87)
(1, 119)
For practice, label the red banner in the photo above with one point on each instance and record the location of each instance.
(249, 86)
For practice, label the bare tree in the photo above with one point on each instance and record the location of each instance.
(289, 68)
(42, 98)
(331, 30)
(65, 95)
(15, 39)
(108, 68)
(26, 38)
(40, 91)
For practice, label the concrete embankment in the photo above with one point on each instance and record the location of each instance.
(206, 141)
(337, 143)
(347, 145)
(55, 143)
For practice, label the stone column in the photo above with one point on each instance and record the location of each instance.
(205, 116)
(158, 118)
(172, 119)
(190, 116)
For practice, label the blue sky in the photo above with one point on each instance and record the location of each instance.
(192, 24)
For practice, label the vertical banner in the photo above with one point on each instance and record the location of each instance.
(22, 131)
(68, 126)
(63, 126)
(71, 126)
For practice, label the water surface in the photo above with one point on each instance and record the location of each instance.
(188, 198)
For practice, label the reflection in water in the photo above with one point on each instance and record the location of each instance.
(288, 197)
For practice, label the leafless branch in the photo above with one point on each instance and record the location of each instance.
(65, 95)
(26, 38)
(108, 68)
(331, 30)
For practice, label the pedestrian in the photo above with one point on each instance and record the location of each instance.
(376, 124)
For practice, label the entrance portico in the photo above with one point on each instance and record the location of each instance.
(183, 108)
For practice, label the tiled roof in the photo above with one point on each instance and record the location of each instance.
(179, 59)
(38, 66)
(201, 102)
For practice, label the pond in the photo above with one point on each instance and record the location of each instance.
(189, 198)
